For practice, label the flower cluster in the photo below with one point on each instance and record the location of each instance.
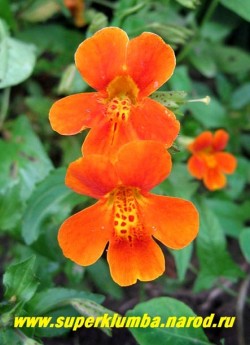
(123, 157)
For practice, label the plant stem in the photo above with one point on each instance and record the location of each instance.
(209, 12)
(4, 106)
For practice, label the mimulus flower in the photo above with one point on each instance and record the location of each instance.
(126, 216)
(124, 73)
(208, 162)
(76, 7)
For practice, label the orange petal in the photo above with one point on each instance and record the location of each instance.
(143, 164)
(72, 114)
(140, 259)
(92, 175)
(101, 57)
(203, 141)
(108, 137)
(220, 140)
(83, 236)
(150, 62)
(173, 221)
(152, 121)
(214, 179)
(196, 167)
(226, 161)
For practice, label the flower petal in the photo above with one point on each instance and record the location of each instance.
(152, 121)
(101, 57)
(150, 62)
(196, 167)
(226, 161)
(143, 164)
(107, 138)
(214, 179)
(203, 141)
(83, 236)
(72, 114)
(220, 140)
(173, 221)
(140, 259)
(92, 175)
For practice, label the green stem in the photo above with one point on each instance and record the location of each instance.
(209, 12)
(4, 106)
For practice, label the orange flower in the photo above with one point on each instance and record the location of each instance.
(76, 7)
(208, 163)
(124, 73)
(127, 215)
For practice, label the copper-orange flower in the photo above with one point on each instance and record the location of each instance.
(124, 73)
(76, 7)
(208, 162)
(126, 215)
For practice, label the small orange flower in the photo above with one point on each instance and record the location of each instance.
(124, 73)
(208, 163)
(127, 215)
(76, 7)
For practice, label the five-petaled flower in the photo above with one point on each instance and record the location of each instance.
(126, 215)
(208, 163)
(124, 73)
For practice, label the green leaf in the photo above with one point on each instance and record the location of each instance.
(181, 80)
(25, 161)
(212, 115)
(19, 280)
(182, 259)
(55, 298)
(241, 7)
(6, 14)
(231, 60)
(230, 216)
(19, 62)
(11, 208)
(189, 3)
(214, 259)
(179, 184)
(241, 97)
(40, 10)
(170, 99)
(50, 197)
(201, 57)
(160, 309)
(99, 273)
(244, 243)
(91, 308)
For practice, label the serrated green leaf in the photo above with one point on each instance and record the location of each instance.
(19, 63)
(241, 7)
(49, 196)
(244, 243)
(165, 307)
(19, 280)
(214, 259)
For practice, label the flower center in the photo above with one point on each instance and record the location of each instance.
(209, 158)
(127, 224)
(122, 93)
